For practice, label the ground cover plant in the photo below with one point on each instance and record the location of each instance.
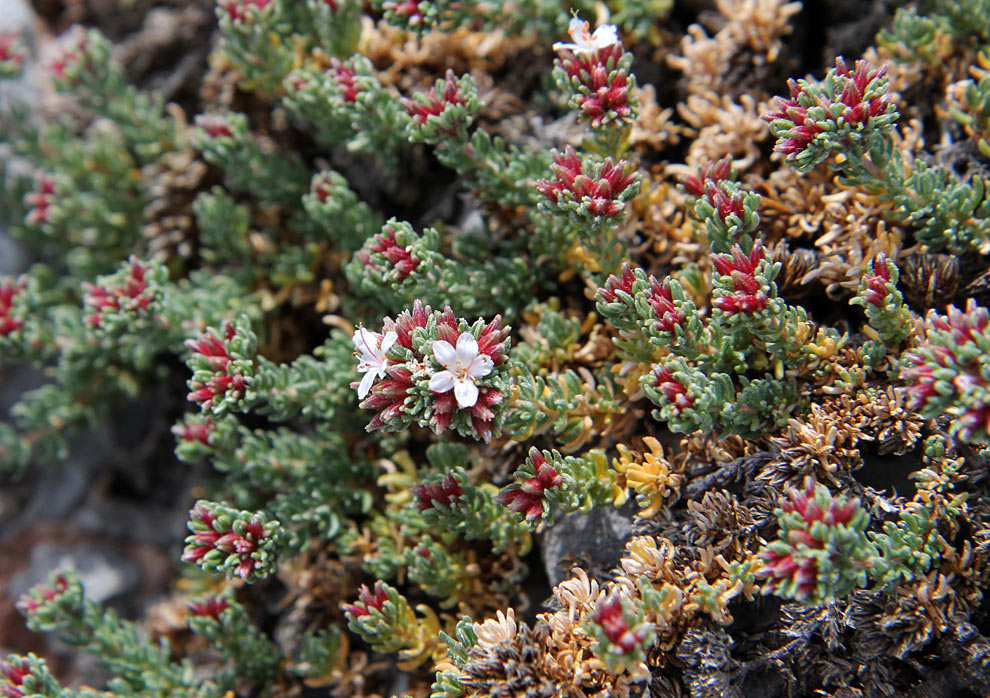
(522, 349)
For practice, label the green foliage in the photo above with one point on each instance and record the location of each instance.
(906, 549)
(347, 104)
(926, 32)
(141, 667)
(385, 620)
(824, 550)
(400, 266)
(335, 213)
(640, 18)
(271, 176)
(944, 210)
(319, 653)
(473, 513)
(85, 68)
(447, 684)
(564, 405)
(224, 622)
(355, 388)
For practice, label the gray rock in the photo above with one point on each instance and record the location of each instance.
(141, 522)
(57, 490)
(12, 257)
(104, 573)
(599, 537)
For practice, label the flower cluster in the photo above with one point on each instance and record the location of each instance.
(195, 429)
(11, 318)
(237, 543)
(13, 672)
(548, 483)
(345, 103)
(82, 57)
(443, 493)
(529, 497)
(673, 390)
(822, 551)
(22, 676)
(617, 298)
(588, 189)
(123, 297)
(445, 111)
(622, 635)
(686, 397)
(42, 202)
(12, 54)
(708, 178)
(211, 607)
(844, 111)
(223, 367)
(665, 307)
(344, 77)
(44, 604)
(643, 307)
(737, 282)
(594, 71)
(407, 13)
(245, 11)
(368, 602)
(371, 348)
(386, 621)
(390, 253)
(226, 624)
(435, 371)
(198, 437)
(948, 373)
(889, 318)
(729, 212)
(214, 125)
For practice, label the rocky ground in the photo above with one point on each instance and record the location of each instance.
(100, 511)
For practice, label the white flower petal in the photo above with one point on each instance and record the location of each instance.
(387, 342)
(577, 28)
(365, 387)
(586, 42)
(356, 339)
(605, 35)
(442, 381)
(467, 348)
(481, 366)
(366, 342)
(444, 353)
(466, 393)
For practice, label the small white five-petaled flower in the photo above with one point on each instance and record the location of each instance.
(371, 350)
(584, 40)
(462, 365)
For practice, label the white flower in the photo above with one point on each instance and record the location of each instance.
(371, 349)
(463, 366)
(584, 40)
